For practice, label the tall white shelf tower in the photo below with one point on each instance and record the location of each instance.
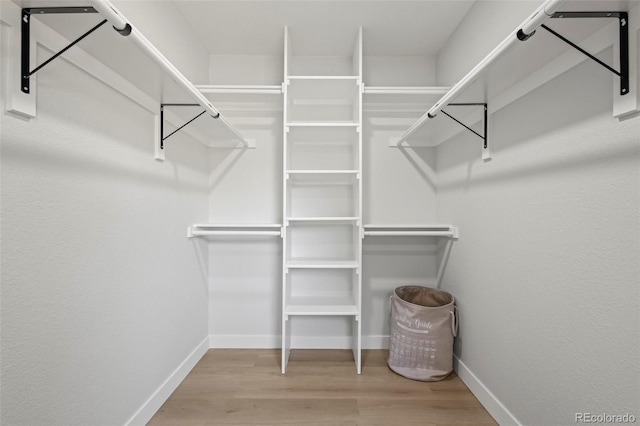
(322, 187)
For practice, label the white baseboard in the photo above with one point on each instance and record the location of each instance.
(155, 401)
(497, 410)
(299, 342)
(375, 342)
(234, 341)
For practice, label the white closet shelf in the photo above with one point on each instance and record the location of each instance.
(321, 264)
(323, 77)
(228, 229)
(406, 90)
(321, 306)
(323, 172)
(241, 89)
(324, 219)
(401, 99)
(411, 231)
(174, 87)
(322, 177)
(517, 65)
(323, 124)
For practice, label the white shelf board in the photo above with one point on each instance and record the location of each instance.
(406, 90)
(323, 172)
(322, 178)
(409, 101)
(241, 89)
(324, 219)
(323, 77)
(243, 99)
(323, 124)
(311, 305)
(321, 264)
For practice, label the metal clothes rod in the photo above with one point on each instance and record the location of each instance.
(243, 89)
(121, 25)
(410, 233)
(523, 32)
(235, 233)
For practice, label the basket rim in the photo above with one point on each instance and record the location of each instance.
(453, 299)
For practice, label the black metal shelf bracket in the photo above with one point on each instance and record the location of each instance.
(25, 70)
(623, 29)
(162, 136)
(484, 122)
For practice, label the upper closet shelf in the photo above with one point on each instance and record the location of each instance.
(406, 90)
(500, 78)
(401, 99)
(151, 79)
(241, 89)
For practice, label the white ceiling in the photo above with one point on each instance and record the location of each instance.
(323, 27)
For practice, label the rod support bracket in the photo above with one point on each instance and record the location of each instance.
(162, 136)
(623, 31)
(25, 52)
(484, 121)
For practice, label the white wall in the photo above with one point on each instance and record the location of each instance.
(245, 186)
(546, 273)
(103, 296)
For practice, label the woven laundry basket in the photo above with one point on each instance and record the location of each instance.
(423, 324)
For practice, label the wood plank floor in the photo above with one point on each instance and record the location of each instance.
(321, 387)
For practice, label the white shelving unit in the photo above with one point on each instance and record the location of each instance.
(322, 187)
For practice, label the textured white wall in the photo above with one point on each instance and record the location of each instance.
(245, 186)
(102, 295)
(546, 272)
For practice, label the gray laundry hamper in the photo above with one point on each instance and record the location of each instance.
(423, 324)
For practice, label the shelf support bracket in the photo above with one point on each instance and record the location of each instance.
(25, 70)
(623, 29)
(162, 136)
(484, 121)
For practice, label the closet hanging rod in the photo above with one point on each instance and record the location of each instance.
(242, 89)
(120, 24)
(236, 233)
(450, 234)
(523, 32)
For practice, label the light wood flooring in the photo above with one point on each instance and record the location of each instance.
(321, 387)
